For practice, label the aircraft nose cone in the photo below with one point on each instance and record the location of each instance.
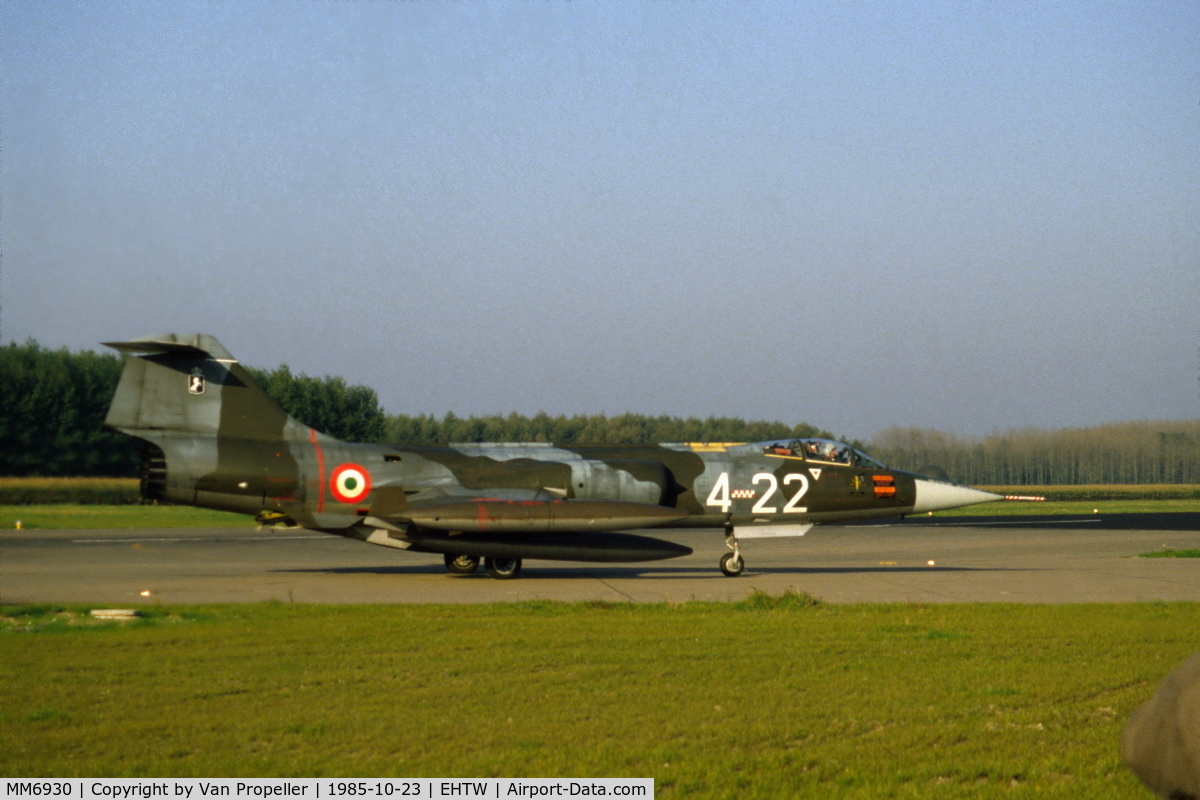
(936, 496)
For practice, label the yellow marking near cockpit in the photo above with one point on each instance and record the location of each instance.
(711, 447)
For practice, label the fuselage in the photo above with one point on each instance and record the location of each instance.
(323, 483)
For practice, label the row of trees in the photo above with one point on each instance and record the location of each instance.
(52, 409)
(53, 404)
(1127, 452)
(590, 429)
(1131, 452)
(349, 412)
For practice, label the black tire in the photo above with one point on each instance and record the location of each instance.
(503, 569)
(732, 565)
(462, 565)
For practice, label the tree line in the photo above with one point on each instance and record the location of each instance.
(53, 404)
(348, 412)
(1126, 452)
(587, 429)
(52, 408)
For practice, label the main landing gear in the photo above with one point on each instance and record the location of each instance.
(500, 568)
(732, 563)
(462, 565)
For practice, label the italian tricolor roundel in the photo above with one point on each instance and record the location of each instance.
(350, 483)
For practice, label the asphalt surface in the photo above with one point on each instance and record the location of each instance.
(1075, 560)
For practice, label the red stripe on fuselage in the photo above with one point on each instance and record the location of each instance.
(312, 437)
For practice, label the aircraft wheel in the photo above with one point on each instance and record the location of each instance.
(462, 565)
(503, 568)
(732, 564)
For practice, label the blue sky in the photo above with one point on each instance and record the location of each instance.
(968, 216)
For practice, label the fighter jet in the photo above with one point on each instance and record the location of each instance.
(214, 439)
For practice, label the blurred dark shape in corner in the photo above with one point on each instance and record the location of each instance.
(1161, 742)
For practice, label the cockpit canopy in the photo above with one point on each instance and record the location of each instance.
(823, 450)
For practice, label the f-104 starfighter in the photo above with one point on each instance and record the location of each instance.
(214, 439)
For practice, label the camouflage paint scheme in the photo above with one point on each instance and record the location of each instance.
(216, 440)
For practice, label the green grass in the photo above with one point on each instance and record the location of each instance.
(772, 697)
(1172, 554)
(55, 517)
(1106, 491)
(1075, 507)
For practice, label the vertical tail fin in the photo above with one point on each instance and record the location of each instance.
(189, 384)
(213, 437)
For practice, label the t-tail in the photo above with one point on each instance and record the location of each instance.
(213, 437)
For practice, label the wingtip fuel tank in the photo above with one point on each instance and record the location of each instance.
(555, 516)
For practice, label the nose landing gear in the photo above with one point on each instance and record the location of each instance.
(732, 564)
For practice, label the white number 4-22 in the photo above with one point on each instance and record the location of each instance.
(719, 496)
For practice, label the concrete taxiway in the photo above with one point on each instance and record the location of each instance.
(1010, 560)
